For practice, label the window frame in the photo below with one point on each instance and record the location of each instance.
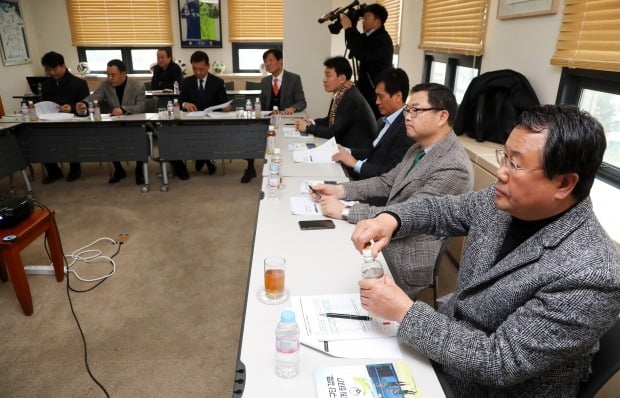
(572, 81)
(125, 56)
(451, 60)
(236, 46)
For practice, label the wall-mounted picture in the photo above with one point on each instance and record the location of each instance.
(12, 34)
(508, 9)
(201, 24)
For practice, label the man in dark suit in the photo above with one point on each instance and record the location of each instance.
(282, 89)
(436, 165)
(166, 71)
(373, 48)
(350, 118)
(198, 92)
(66, 90)
(391, 88)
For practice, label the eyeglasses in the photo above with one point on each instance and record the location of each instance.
(416, 111)
(512, 167)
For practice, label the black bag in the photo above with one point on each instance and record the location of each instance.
(492, 104)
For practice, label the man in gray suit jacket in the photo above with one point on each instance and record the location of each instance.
(436, 165)
(124, 96)
(539, 281)
(282, 89)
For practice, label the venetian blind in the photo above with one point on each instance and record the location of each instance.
(255, 20)
(120, 22)
(454, 26)
(589, 36)
(392, 25)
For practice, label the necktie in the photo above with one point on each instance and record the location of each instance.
(417, 159)
(276, 89)
(201, 89)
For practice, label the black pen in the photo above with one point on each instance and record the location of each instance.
(314, 192)
(348, 316)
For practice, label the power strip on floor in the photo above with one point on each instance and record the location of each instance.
(39, 269)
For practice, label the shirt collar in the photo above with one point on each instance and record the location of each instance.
(279, 77)
(390, 118)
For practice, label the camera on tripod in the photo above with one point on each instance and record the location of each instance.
(354, 11)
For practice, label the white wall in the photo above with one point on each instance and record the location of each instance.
(524, 44)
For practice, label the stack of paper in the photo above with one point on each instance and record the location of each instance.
(345, 338)
(291, 132)
(320, 154)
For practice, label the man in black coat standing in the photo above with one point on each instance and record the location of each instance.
(373, 49)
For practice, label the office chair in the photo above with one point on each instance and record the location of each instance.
(229, 86)
(444, 246)
(605, 363)
(252, 85)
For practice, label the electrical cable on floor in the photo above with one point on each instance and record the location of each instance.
(69, 289)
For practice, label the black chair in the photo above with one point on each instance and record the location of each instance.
(605, 363)
(229, 86)
(252, 85)
(147, 86)
(442, 251)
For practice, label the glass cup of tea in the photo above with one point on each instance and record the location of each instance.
(240, 112)
(274, 277)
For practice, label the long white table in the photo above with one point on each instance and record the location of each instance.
(318, 262)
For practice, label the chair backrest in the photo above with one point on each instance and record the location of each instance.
(442, 251)
(229, 86)
(150, 105)
(605, 363)
(252, 85)
(147, 86)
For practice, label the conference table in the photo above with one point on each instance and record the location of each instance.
(318, 262)
(11, 157)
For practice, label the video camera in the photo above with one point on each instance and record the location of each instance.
(354, 11)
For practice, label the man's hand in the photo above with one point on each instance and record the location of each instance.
(336, 191)
(345, 21)
(190, 107)
(331, 207)
(344, 157)
(301, 124)
(227, 108)
(384, 299)
(80, 106)
(379, 229)
(289, 111)
(117, 112)
(64, 108)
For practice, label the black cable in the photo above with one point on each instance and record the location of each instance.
(68, 289)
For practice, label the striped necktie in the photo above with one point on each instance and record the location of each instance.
(416, 160)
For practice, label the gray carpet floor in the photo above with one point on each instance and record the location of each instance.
(167, 323)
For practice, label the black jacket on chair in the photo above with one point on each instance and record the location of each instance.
(492, 103)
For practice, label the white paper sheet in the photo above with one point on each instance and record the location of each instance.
(209, 110)
(56, 116)
(46, 107)
(304, 206)
(321, 154)
(291, 132)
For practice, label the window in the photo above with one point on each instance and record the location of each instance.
(597, 92)
(254, 26)
(137, 60)
(452, 70)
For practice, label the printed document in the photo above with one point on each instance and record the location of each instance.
(320, 154)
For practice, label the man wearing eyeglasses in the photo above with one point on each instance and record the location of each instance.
(436, 165)
(539, 281)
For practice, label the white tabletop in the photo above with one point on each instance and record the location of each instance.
(318, 262)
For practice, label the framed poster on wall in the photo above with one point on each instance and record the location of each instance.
(12, 34)
(201, 24)
(508, 9)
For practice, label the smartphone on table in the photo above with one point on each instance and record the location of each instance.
(306, 225)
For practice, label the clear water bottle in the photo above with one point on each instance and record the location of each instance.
(257, 108)
(275, 117)
(170, 109)
(371, 267)
(271, 140)
(32, 112)
(25, 116)
(273, 182)
(276, 159)
(287, 345)
(96, 110)
(176, 109)
(175, 88)
(91, 110)
(248, 109)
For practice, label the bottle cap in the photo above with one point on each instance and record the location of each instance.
(271, 127)
(275, 108)
(276, 151)
(287, 316)
(367, 252)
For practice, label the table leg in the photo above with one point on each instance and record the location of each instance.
(53, 242)
(17, 274)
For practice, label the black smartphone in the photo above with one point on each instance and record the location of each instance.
(310, 145)
(316, 224)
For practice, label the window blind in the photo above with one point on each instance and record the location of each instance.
(392, 25)
(454, 26)
(120, 22)
(589, 36)
(255, 20)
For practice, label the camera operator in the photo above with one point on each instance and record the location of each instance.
(372, 48)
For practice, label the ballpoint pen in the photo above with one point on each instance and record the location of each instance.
(316, 193)
(348, 316)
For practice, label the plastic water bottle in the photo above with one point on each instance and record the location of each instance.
(175, 88)
(176, 109)
(170, 109)
(271, 140)
(287, 345)
(32, 112)
(91, 110)
(96, 110)
(257, 109)
(371, 267)
(275, 117)
(273, 182)
(276, 159)
(248, 109)
(24, 112)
